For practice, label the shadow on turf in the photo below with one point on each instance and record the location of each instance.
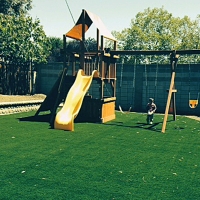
(38, 118)
(151, 127)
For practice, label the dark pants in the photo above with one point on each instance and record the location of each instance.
(149, 118)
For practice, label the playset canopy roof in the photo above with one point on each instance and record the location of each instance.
(76, 31)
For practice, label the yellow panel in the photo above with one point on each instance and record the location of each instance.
(108, 112)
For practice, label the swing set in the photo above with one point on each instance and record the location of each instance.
(174, 56)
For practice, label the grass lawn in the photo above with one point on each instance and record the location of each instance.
(119, 160)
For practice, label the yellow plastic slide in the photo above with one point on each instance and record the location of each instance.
(65, 117)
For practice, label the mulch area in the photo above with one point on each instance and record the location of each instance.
(10, 104)
(21, 98)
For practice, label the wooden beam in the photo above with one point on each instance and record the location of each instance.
(154, 52)
(138, 52)
(168, 102)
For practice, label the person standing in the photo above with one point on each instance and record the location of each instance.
(150, 108)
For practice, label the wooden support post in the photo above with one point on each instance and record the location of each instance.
(102, 88)
(174, 60)
(82, 42)
(102, 43)
(172, 90)
(115, 45)
(73, 65)
(168, 102)
(64, 52)
(97, 47)
(97, 55)
(102, 67)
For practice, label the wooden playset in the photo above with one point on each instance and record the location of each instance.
(100, 109)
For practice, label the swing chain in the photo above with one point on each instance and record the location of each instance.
(121, 74)
(192, 103)
(135, 62)
(156, 80)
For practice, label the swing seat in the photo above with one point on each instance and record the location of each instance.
(129, 110)
(193, 103)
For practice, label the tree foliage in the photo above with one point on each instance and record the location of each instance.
(74, 45)
(23, 39)
(55, 51)
(15, 7)
(22, 42)
(157, 29)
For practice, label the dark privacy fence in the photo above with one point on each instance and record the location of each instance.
(135, 84)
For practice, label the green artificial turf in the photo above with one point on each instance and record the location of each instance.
(122, 159)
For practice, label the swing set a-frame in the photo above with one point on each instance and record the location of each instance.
(101, 109)
(174, 56)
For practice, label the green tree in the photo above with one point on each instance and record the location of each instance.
(15, 7)
(150, 30)
(55, 51)
(22, 42)
(74, 45)
(23, 39)
(157, 29)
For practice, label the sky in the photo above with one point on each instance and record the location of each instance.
(57, 16)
